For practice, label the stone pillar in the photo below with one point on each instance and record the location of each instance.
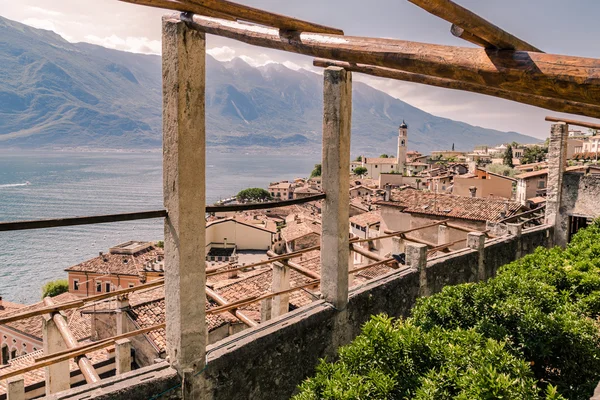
(281, 281)
(516, 230)
(265, 309)
(121, 314)
(337, 113)
(557, 164)
(184, 153)
(397, 245)
(443, 234)
(58, 377)
(476, 241)
(123, 356)
(416, 257)
(16, 388)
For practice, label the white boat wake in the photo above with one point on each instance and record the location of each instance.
(15, 184)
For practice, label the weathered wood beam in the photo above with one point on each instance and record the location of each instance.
(236, 313)
(583, 124)
(178, 5)
(233, 11)
(549, 75)
(474, 24)
(566, 106)
(469, 37)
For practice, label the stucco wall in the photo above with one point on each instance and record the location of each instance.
(243, 236)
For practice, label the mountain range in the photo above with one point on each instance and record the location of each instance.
(54, 93)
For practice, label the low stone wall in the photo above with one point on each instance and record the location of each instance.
(269, 361)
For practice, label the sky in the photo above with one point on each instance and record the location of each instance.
(555, 26)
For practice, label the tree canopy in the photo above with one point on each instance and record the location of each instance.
(316, 172)
(384, 156)
(253, 195)
(54, 288)
(534, 154)
(360, 171)
(508, 157)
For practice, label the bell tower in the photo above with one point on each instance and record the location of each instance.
(402, 143)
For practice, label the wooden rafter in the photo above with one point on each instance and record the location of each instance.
(571, 107)
(474, 25)
(583, 124)
(549, 75)
(229, 10)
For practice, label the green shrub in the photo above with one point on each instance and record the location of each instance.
(397, 360)
(54, 288)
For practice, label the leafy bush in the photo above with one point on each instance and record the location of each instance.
(398, 360)
(360, 171)
(253, 195)
(54, 288)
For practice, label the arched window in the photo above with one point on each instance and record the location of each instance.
(13, 353)
(4, 356)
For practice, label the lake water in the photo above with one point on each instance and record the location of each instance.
(36, 185)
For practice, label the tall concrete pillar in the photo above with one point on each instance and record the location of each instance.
(281, 281)
(557, 164)
(121, 314)
(516, 230)
(416, 257)
(184, 152)
(123, 358)
(15, 389)
(58, 377)
(443, 234)
(265, 309)
(476, 241)
(337, 114)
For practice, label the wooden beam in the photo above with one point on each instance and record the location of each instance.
(474, 24)
(469, 37)
(265, 205)
(236, 313)
(178, 5)
(549, 75)
(78, 303)
(571, 107)
(236, 11)
(584, 124)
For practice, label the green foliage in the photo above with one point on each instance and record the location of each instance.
(529, 333)
(508, 157)
(160, 244)
(398, 360)
(316, 172)
(384, 156)
(501, 169)
(54, 288)
(253, 195)
(360, 171)
(534, 154)
(359, 159)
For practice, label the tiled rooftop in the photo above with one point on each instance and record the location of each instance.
(122, 264)
(370, 218)
(379, 160)
(297, 229)
(446, 205)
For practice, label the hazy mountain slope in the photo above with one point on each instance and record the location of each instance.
(55, 93)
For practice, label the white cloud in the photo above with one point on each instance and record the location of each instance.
(39, 10)
(40, 23)
(224, 53)
(131, 44)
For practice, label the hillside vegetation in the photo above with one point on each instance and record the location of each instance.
(529, 333)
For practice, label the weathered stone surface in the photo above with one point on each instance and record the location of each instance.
(476, 241)
(557, 164)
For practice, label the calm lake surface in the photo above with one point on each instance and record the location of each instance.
(35, 185)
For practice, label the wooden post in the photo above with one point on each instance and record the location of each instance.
(184, 197)
(16, 388)
(337, 114)
(557, 164)
(58, 377)
(123, 358)
(281, 281)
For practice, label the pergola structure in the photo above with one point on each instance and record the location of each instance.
(505, 66)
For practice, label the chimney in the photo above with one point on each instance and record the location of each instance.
(388, 193)
(1, 305)
(233, 274)
(100, 254)
(473, 191)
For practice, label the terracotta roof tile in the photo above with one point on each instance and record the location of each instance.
(378, 160)
(369, 218)
(297, 229)
(122, 264)
(446, 205)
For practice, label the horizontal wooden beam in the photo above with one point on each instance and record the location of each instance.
(469, 37)
(79, 303)
(217, 298)
(548, 103)
(265, 205)
(474, 24)
(583, 124)
(548, 75)
(234, 11)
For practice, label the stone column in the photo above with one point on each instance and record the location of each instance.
(476, 241)
(516, 230)
(184, 154)
(16, 388)
(397, 245)
(123, 356)
(58, 377)
(265, 309)
(281, 281)
(121, 314)
(337, 113)
(557, 164)
(416, 257)
(443, 234)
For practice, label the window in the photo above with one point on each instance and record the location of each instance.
(75, 284)
(541, 184)
(107, 286)
(13, 354)
(99, 287)
(376, 165)
(131, 285)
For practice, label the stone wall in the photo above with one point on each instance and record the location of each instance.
(270, 360)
